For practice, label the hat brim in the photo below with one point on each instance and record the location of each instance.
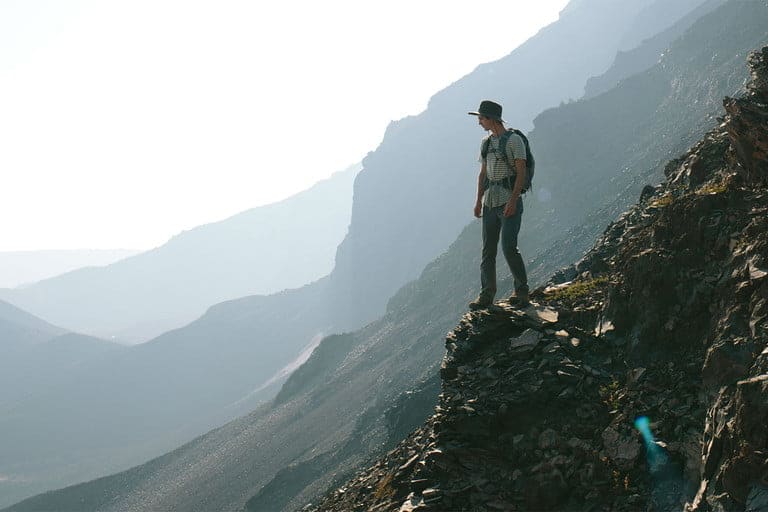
(486, 115)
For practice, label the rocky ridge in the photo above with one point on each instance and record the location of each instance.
(638, 378)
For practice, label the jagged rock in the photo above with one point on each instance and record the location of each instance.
(757, 500)
(412, 504)
(664, 318)
(603, 327)
(747, 120)
(527, 340)
(544, 315)
(726, 362)
(758, 70)
(548, 439)
(545, 490)
(623, 450)
(409, 463)
(647, 192)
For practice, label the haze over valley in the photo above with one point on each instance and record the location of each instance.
(291, 356)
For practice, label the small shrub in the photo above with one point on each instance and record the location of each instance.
(663, 201)
(712, 188)
(610, 394)
(576, 290)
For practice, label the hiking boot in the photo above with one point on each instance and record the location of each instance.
(519, 300)
(480, 303)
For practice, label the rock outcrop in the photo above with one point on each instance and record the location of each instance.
(639, 383)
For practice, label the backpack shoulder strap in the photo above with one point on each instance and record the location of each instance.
(503, 140)
(484, 147)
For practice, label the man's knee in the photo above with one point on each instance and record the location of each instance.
(489, 253)
(511, 249)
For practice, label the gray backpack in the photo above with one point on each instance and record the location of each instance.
(530, 163)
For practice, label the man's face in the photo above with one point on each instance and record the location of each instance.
(485, 122)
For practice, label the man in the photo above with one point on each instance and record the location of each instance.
(499, 203)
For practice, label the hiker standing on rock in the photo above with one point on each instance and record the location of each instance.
(499, 203)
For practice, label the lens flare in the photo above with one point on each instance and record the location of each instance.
(669, 490)
(657, 458)
(643, 424)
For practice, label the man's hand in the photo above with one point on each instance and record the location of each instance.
(478, 209)
(511, 207)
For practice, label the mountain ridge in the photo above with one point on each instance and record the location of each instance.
(21, 268)
(543, 408)
(647, 53)
(142, 296)
(23, 327)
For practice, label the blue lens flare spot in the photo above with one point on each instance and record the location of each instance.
(655, 454)
(643, 424)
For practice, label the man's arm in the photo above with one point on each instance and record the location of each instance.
(480, 191)
(511, 207)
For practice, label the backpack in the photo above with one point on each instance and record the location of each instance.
(530, 163)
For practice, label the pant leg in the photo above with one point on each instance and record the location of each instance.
(510, 227)
(491, 228)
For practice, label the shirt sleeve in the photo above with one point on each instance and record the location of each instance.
(515, 148)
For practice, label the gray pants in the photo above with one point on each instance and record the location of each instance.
(494, 223)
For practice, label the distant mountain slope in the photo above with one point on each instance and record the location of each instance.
(351, 400)
(637, 59)
(222, 469)
(20, 329)
(658, 17)
(36, 357)
(614, 144)
(26, 267)
(121, 410)
(264, 250)
(33, 349)
(45, 365)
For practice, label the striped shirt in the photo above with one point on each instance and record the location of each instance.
(498, 171)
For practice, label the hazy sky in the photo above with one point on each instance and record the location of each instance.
(124, 122)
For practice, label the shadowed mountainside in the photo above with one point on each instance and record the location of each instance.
(612, 145)
(638, 59)
(36, 357)
(640, 385)
(118, 411)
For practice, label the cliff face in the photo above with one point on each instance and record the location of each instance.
(639, 384)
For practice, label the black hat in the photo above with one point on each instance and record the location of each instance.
(489, 109)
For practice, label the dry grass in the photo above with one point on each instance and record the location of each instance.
(576, 290)
(384, 488)
(663, 201)
(712, 188)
